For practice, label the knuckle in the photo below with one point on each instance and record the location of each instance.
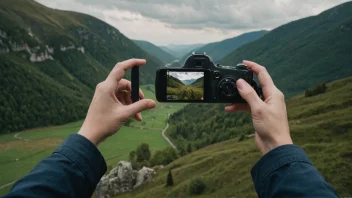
(280, 94)
(100, 86)
(258, 110)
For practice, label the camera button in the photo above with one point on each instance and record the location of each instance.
(216, 74)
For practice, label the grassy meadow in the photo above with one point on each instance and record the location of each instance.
(18, 157)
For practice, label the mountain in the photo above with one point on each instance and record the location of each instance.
(51, 61)
(198, 83)
(215, 121)
(305, 52)
(188, 82)
(180, 50)
(174, 82)
(321, 125)
(166, 49)
(155, 51)
(219, 50)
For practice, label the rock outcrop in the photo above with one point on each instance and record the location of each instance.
(122, 179)
(144, 175)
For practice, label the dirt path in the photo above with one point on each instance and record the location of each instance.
(165, 137)
(20, 138)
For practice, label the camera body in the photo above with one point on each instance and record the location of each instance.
(200, 80)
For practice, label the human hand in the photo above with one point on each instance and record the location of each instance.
(112, 105)
(269, 116)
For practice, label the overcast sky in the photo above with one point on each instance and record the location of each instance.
(193, 21)
(186, 75)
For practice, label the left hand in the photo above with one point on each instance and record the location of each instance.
(112, 104)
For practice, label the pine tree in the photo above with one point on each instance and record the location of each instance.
(169, 180)
(189, 148)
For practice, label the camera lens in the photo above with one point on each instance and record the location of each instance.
(227, 87)
(216, 74)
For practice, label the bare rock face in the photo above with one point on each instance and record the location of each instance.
(122, 179)
(144, 175)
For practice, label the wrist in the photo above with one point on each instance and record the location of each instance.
(276, 143)
(90, 136)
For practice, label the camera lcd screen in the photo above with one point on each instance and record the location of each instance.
(185, 86)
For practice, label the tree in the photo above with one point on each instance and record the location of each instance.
(196, 187)
(169, 179)
(189, 148)
(132, 155)
(318, 89)
(143, 152)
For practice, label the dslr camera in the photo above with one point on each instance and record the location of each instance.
(202, 81)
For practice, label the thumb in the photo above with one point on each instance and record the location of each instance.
(140, 106)
(247, 92)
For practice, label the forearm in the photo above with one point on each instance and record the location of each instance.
(286, 171)
(73, 170)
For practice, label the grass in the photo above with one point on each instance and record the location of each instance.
(18, 157)
(321, 125)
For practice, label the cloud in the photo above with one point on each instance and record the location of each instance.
(186, 75)
(193, 21)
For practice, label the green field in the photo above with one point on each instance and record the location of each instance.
(18, 157)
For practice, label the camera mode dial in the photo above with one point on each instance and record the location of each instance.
(227, 87)
(242, 67)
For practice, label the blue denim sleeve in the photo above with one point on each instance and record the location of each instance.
(286, 171)
(73, 170)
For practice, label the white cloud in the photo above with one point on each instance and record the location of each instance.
(193, 21)
(186, 75)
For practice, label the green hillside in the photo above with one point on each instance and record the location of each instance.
(198, 83)
(174, 82)
(219, 50)
(177, 90)
(305, 52)
(155, 51)
(57, 50)
(321, 124)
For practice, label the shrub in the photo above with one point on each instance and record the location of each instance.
(143, 152)
(169, 179)
(242, 137)
(164, 157)
(318, 89)
(196, 187)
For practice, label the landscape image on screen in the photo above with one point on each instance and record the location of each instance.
(185, 85)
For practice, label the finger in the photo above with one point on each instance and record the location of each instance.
(140, 106)
(118, 72)
(238, 107)
(138, 116)
(125, 85)
(128, 100)
(141, 94)
(247, 92)
(264, 77)
(121, 98)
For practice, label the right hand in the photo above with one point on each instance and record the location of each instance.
(269, 116)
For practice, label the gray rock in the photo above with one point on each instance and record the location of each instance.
(144, 175)
(122, 179)
(102, 190)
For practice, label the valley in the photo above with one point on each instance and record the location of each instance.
(51, 61)
(21, 151)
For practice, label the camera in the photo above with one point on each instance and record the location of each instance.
(200, 80)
